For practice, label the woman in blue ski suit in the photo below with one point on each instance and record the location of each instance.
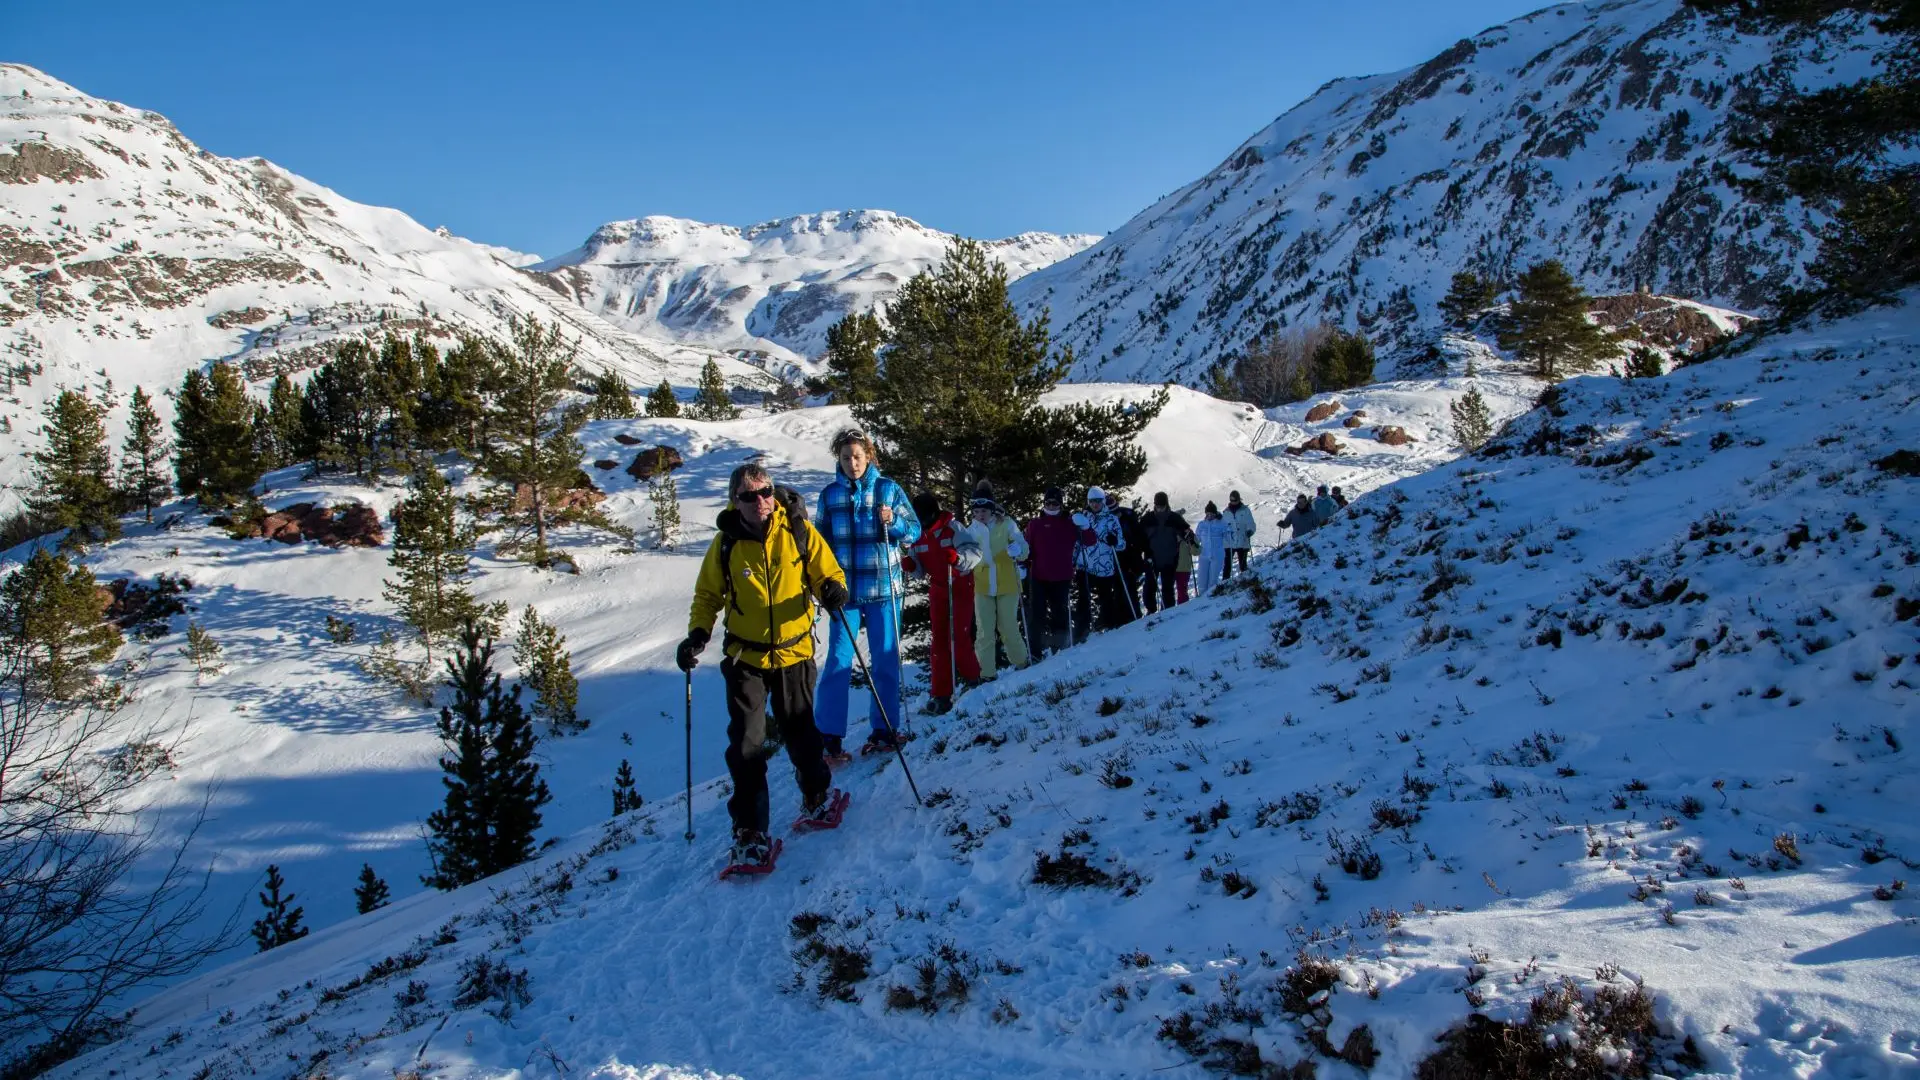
(866, 519)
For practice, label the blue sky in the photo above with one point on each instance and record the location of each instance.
(527, 124)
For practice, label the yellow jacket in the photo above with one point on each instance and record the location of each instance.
(1002, 548)
(769, 616)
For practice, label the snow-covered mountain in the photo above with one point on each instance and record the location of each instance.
(775, 287)
(1595, 134)
(1622, 704)
(128, 253)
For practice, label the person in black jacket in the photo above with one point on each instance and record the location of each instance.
(1162, 528)
(1133, 557)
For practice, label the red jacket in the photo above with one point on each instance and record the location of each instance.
(1052, 538)
(934, 554)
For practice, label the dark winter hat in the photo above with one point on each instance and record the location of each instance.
(1212, 509)
(926, 506)
(1055, 496)
(1159, 498)
(1233, 496)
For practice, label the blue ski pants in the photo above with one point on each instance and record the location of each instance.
(883, 658)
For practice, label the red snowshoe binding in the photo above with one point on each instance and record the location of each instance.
(753, 856)
(825, 815)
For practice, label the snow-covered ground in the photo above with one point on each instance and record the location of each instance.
(1625, 698)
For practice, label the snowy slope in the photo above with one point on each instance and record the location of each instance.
(1627, 697)
(1589, 133)
(129, 254)
(773, 288)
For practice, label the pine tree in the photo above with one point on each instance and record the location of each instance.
(288, 435)
(853, 358)
(72, 474)
(397, 385)
(341, 412)
(958, 397)
(1844, 150)
(143, 483)
(547, 669)
(202, 651)
(786, 397)
(51, 634)
(371, 894)
(611, 398)
(625, 796)
(1342, 361)
(214, 459)
(1467, 298)
(713, 402)
(281, 924)
(453, 408)
(430, 552)
(1472, 420)
(664, 493)
(1547, 326)
(663, 402)
(1643, 363)
(532, 450)
(493, 786)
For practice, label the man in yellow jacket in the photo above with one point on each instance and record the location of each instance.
(775, 565)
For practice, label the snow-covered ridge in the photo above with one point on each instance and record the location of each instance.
(1625, 698)
(1589, 133)
(774, 287)
(129, 254)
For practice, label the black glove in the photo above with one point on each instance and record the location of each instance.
(833, 595)
(688, 655)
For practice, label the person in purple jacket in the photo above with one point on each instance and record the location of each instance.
(1051, 539)
(867, 520)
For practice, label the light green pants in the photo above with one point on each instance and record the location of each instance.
(1001, 613)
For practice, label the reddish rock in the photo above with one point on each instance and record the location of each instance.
(354, 525)
(284, 525)
(1352, 421)
(1360, 414)
(1323, 411)
(1392, 436)
(606, 463)
(658, 461)
(625, 439)
(357, 526)
(1325, 443)
(576, 498)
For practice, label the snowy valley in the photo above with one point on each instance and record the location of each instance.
(1594, 744)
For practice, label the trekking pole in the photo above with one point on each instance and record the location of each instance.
(878, 704)
(689, 757)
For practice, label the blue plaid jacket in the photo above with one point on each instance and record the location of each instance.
(849, 517)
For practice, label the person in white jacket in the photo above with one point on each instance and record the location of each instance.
(1212, 531)
(996, 583)
(1240, 527)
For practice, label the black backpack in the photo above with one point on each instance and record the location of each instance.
(795, 505)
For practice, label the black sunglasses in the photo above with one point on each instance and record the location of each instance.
(753, 494)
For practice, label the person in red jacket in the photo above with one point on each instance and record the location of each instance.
(1051, 539)
(947, 556)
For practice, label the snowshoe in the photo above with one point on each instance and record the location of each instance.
(753, 856)
(834, 754)
(827, 815)
(937, 706)
(883, 742)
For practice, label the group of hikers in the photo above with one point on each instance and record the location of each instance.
(1105, 564)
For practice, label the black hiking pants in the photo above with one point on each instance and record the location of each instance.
(1158, 587)
(749, 691)
(1047, 616)
(1226, 566)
